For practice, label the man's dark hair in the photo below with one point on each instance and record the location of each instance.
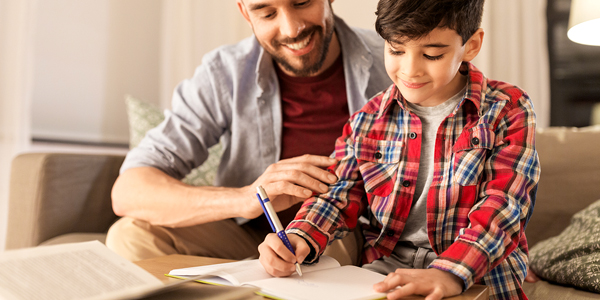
(398, 20)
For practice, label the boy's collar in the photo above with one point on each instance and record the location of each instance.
(475, 82)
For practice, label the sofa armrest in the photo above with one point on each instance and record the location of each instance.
(57, 193)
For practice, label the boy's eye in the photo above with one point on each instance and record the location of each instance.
(395, 53)
(433, 57)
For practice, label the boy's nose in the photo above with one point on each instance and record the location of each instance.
(411, 67)
(291, 25)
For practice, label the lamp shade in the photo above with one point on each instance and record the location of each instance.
(584, 22)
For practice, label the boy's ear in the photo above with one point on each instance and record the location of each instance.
(473, 45)
(243, 11)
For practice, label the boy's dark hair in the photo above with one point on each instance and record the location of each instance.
(413, 19)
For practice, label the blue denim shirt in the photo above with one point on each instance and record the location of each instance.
(234, 97)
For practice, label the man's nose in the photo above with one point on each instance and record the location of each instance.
(291, 24)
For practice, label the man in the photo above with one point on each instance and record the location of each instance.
(277, 101)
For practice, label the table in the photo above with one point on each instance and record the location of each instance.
(160, 266)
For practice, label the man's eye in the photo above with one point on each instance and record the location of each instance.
(304, 3)
(433, 57)
(268, 16)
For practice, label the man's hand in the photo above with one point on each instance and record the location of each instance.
(432, 283)
(290, 181)
(277, 259)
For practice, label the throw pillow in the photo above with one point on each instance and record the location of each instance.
(144, 116)
(573, 257)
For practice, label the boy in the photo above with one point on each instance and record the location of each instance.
(442, 164)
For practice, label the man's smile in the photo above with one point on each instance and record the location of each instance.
(299, 45)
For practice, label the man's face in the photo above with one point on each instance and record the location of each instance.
(297, 33)
(426, 70)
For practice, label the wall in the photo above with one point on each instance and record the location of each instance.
(359, 13)
(88, 55)
(15, 73)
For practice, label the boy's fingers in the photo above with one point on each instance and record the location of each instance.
(437, 294)
(279, 248)
(403, 291)
(391, 281)
(271, 259)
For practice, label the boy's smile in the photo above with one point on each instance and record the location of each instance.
(426, 70)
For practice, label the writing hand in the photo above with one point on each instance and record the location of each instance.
(279, 260)
(432, 283)
(290, 181)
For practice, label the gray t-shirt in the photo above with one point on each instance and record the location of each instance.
(431, 118)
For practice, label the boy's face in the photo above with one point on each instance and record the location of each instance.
(296, 33)
(426, 70)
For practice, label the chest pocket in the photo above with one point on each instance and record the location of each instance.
(470, 153)
(378, 163)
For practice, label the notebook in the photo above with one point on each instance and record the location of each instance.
(323, 280)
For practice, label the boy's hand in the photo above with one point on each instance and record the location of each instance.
(432, 283)
(279, 260)
(531, 277)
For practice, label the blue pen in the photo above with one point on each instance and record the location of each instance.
(274, 221)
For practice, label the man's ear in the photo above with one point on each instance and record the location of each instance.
(473, 45)
(243, 11)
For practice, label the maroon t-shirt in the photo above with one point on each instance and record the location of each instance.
(314, 109)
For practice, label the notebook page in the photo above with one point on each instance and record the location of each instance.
(241, 272)
(343, 283)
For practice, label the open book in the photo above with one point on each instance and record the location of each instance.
(324, 280)
(85, 270)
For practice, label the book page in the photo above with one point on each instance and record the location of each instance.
(70, 271)
(343, 283)
(240, 272)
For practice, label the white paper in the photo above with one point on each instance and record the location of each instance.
(347, 282)
(70, 271)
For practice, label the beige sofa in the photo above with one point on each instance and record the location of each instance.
(57, 198)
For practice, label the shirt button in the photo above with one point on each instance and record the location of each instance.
(412, 135)
(390, 233)
(405, 183)
(378, 155)
(475, 141)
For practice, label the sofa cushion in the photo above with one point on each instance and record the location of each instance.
(75, 238)
(569, 179)
(544, 290)
(573, 257)
(145, 116)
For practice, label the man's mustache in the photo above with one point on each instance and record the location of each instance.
(304, 34)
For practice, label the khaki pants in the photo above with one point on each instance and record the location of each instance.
(138, 240)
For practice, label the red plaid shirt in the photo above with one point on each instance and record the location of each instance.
(485, 176)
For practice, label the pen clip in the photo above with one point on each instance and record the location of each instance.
(265, 211)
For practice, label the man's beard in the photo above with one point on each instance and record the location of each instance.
(305, 69)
